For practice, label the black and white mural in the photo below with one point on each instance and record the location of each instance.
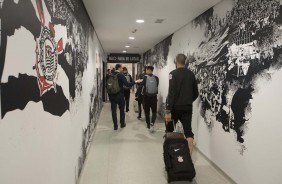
(45, 51)
(235, 46)
(157, 56)
(71, 54)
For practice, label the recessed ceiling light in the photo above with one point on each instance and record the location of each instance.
(131, 38)
(140, 21)
(127, 46)
(124, 51)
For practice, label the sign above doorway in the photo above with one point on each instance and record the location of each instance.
(124, 58)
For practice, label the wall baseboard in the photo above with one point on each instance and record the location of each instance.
(215, 166)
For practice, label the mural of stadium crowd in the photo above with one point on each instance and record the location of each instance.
(157, 56)
(242, 46)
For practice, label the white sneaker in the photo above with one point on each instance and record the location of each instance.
(152, 128)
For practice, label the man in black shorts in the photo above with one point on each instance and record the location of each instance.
(183, 91)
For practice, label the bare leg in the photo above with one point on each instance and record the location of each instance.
(190, 141)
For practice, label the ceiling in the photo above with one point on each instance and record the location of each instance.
(114, 21)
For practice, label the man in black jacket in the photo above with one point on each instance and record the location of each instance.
(118, 99)
(149, 87)
(127, 90)
(139, 96)
(183, 91)
(109, 73)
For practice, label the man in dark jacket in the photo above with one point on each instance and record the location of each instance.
(109, 73)
(118, 99)
(127, 90)
(139, 96)
(149, 88)
(183, 91)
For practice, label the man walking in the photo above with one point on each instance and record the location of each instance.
(139, 96)
(127, 90)
(150, 91)
(116, 94)
(108, 75)
(182, 92)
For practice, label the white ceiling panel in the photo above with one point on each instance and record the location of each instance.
(114, 21)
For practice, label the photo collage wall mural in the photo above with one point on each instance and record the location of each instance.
(228, 48)
(59, 42)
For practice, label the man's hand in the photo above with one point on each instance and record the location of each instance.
(139, 81)
(168, 117)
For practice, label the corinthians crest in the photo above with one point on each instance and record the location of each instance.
(47, 50)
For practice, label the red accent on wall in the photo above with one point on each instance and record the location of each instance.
(51, 27)
(40, 12)
(60, 45)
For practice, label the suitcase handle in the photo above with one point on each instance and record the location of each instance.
(174, 127)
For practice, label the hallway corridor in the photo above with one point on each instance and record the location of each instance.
(134, 156)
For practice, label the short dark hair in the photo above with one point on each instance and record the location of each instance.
(118, 66)
(109, 70)
(181, 59)
(150, 68)
(124, 68)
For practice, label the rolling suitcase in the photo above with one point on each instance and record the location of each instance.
(178, 163)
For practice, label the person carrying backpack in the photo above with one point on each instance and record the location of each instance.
(150, 91)
(109, 73)
(139, 96)
(127, 89)
(115, 90)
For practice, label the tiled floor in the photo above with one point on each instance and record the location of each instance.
(134, 156)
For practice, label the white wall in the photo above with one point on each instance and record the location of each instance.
(258, 159)
(36, 146)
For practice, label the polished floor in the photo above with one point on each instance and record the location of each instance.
(132, 155)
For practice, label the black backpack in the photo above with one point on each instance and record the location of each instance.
(113, 85)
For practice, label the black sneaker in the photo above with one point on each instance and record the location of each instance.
(123, 125)
(139, 117)
(115, 128)
(148, 126)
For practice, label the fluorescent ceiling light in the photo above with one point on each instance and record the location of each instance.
(140, 21)
(131, 38)
(124, 51)
(127, 46)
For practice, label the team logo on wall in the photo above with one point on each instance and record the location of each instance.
(47, 55)
(37, 20)
(42, 84)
